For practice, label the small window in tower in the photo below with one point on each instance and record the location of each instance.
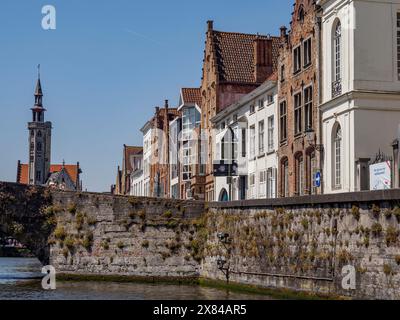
(39, 146)
(38, 175)
(32, 133)
(39, 134)
(301, 14)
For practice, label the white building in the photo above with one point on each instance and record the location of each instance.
(174, 151)
(246, 137)
(360, 106)
(146, 131)
(137, 184)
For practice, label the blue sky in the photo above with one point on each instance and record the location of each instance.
(105, 68)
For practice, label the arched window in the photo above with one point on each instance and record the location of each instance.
(337, 39)
(285, 177)
(337, 156)
(223, 196)
(311, 171)
(300, 15)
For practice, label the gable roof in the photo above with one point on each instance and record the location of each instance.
(235, 55)
(71, 169)
(191, 96)
(129, 152)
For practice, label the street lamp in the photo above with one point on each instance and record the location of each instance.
(311, 139)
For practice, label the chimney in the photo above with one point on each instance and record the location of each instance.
(19, 171)
(210, 25)
(157, 110)
(262, 59)
(283, 32)
(166, 104)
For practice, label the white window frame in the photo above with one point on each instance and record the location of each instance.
(261, 137)
(308, 112)
(252, 141)
(271, 129)
(298, 113)
(307, 54)
(337, 156)
(337, 52)
(297, 59)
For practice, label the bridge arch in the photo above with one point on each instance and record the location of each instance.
(23, 217)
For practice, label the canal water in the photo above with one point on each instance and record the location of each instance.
(19, 280)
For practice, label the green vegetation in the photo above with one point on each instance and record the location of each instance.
(145, 244)
(120, 245)
(344, 257)
(388, 213)
(392, 235)
(88, 241)
(91, 221)
(72, 208)
(80, 220)
(134, 201)
(388, 270)
(376, 210)
(52, 210)
(168, 214)
(396, 213)
(305, 223)
(60, 233)
(105, 245)
(142, 214)
(65, 252)
(376, 229)
(69, 243)
(355, 211)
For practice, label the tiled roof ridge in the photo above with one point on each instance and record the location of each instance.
(268, 36)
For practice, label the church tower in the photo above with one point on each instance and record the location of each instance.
(39, 140)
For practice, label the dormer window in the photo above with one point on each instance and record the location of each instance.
(252, 109)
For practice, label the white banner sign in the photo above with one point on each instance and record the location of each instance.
(380, 176)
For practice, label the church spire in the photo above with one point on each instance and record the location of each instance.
(38, 91)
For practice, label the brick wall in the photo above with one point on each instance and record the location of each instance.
(290, 84)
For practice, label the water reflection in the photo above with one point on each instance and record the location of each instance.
(15, 284)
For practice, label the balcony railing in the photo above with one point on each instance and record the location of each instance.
(336, 88)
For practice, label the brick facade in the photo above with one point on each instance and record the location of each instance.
(299, 160)
(159, 164)
(234, 65)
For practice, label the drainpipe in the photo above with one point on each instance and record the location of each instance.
(320, 95)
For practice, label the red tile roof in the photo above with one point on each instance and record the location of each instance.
(72, 170)
(191, 95)
(235, 55)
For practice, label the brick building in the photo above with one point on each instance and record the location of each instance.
(234, 65)
(159, 161)
(298, 98)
